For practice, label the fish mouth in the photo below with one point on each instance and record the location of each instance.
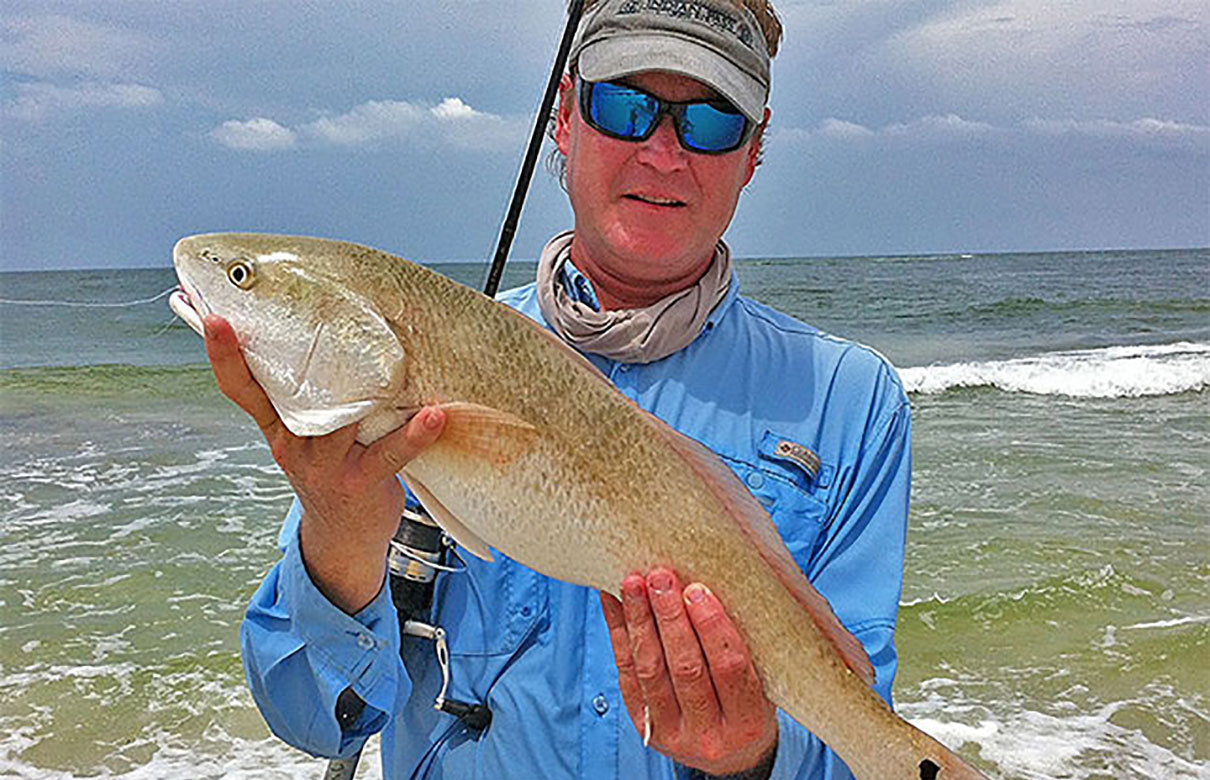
(181, 303)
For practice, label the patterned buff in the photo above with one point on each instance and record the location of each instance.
(629, 335)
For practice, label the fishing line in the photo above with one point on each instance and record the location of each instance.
(89, 304)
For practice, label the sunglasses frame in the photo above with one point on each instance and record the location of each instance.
(673, 109)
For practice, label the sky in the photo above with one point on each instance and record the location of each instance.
(899, 127)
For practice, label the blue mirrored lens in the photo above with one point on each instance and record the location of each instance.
(621, 111)
(631, 114)
(709, 129)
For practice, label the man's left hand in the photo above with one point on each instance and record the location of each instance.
(687, 677)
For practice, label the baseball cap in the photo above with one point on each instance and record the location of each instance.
(713, 41)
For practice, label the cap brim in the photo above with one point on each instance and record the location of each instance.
(615, 57)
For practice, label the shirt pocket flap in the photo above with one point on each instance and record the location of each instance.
(799, 463)
(798, 515)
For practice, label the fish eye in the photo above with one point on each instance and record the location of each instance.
(240, 273)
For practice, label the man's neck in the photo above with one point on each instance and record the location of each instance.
(614, 291)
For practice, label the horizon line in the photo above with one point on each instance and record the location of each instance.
(747, 259)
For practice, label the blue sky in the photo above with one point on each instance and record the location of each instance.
(899, 127)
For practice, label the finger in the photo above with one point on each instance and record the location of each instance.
(648, 651)
(739, 689)
(683, 655)
(619, 640)
(233, 377)
(392, 452)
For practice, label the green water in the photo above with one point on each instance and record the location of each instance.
(1056, 610)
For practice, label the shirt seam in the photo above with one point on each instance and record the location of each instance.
(882, 428)
(863, 626)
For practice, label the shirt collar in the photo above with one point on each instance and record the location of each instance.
(578, 287)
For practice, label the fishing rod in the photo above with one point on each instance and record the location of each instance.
(412, 584)
(509, 229)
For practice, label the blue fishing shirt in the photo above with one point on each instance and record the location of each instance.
(765, 392)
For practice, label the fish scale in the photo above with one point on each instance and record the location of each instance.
(543, 460)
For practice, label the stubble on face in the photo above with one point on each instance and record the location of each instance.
(648, 215)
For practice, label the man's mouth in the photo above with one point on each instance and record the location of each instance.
(655, 200)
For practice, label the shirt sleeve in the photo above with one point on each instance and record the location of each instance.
(300, 652)
(858, 567)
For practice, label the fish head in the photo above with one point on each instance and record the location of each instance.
(310, 335)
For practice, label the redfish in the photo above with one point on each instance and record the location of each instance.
(541, 458)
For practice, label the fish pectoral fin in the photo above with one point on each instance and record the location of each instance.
(464, 536)
(485, 433)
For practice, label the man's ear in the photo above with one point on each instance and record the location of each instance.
(567, 99)
(754, 147)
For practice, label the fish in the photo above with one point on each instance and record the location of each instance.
(541, 459)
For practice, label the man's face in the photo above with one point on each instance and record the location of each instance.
(649, 212)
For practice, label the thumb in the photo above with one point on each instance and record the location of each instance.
(392, 452)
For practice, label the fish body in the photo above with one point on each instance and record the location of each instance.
(541, 458)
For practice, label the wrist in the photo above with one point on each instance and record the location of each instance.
(346, 568)
(763, 770)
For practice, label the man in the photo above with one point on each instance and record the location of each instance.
(659, 124)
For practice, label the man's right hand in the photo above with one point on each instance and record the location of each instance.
(350, 496)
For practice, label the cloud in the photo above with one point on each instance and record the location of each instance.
(955, 129)
(53, 45)
(1106, 128)
(258, 135)
(39, 101)
(949, 126)
(1084, 57)
(452, 122)
(841, 130)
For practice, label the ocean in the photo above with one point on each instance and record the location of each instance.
(1055, 619)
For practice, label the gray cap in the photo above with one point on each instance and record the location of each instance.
(717, 42)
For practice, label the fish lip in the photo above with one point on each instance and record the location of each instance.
(182, 305)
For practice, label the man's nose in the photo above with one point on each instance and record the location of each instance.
(662, 150)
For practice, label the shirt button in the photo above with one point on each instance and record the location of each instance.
(600, 704)
(365, 641)
(755, 480)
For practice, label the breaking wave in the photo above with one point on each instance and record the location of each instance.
(1109, 372)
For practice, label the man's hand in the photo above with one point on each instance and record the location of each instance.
(350, 497)
(687, 677)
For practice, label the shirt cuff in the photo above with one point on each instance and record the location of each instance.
(359, 651)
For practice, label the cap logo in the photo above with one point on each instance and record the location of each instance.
(695, 12)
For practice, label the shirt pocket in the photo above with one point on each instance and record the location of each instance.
(790, 492)
(491, 607)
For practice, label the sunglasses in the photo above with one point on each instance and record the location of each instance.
(629, 114)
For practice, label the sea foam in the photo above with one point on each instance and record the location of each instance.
(1109, 372)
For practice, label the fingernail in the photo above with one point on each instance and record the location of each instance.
(632, 589)
(696, 593)
(432, 418)
(660, 582)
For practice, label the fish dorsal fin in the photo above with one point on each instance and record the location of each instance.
(757, 526)
(485, 433)
(450, 524)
